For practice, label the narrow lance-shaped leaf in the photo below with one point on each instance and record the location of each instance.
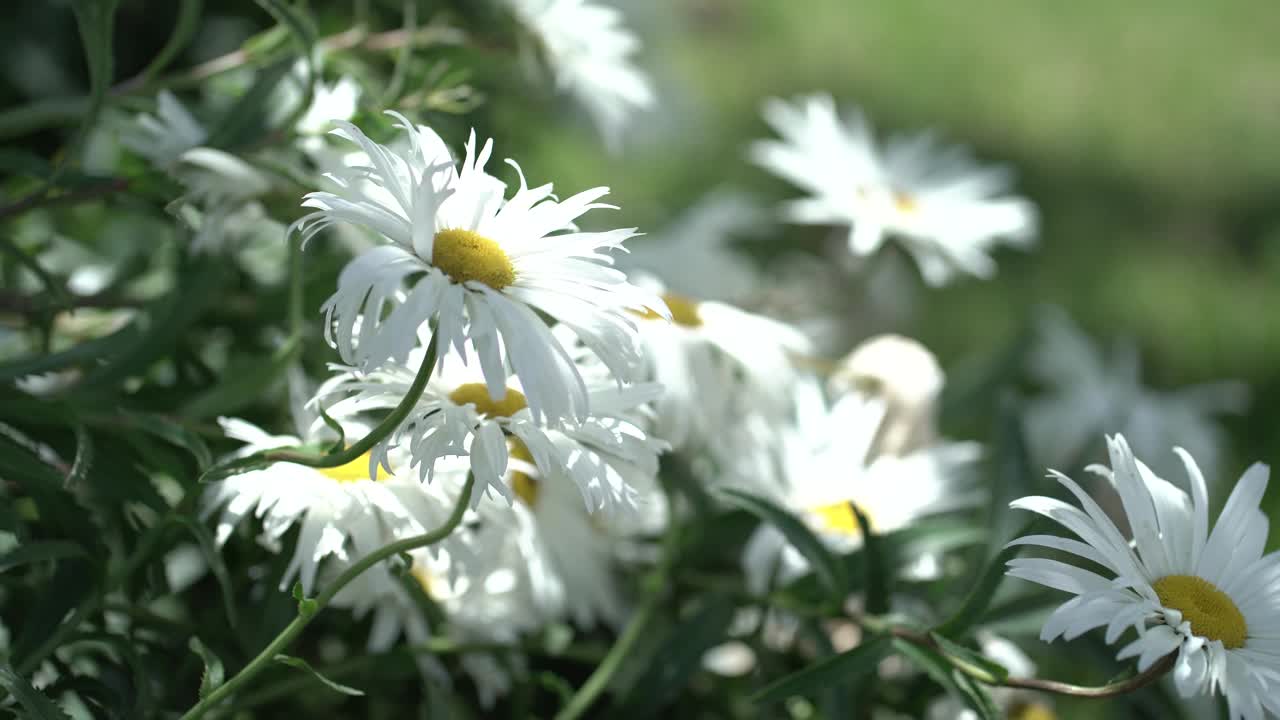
(839, 669)
(301, 664)
(828, 568)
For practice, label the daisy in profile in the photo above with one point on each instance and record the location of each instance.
(945, 209)
(716, 364)
(457, 416)
(1206, 593)
(219, 185)
(481, 267)
(589, 52)
(341, 512)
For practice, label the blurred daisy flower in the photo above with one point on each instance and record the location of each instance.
(457, 415)
(219, 185)
(716, 364)
(945, 209)
(1207, 594)
(480, 267)
(589, 52)
(342, 513)
(839, 454)
(1088, 391)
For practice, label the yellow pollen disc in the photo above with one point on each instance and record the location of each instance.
(467, 255)
(426, 579)
(478, 394)
(526, 487)
(683, 311)
(905, 203)
(1210, 611)
(839, 517)
(1032, 711)
(354, 471)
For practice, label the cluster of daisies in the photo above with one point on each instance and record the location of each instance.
(540, 370)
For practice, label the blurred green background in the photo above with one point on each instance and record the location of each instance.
(1148, 134)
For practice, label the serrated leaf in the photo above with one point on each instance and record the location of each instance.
(824, 563)
(677, 656)
(84, 457)
(64, 600)
(214, 674)
(34, 702)
(976, 696)
(301, 664)
(839, 669)
(41, 551)
(95, 20)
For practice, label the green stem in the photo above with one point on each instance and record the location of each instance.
(304, 618)
(1121, 687)
(599, 680)
(361, 446)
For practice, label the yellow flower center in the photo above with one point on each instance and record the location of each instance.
(1032, 711)
(428, 580)
(478, 394)
(1210, 611)
(905, 203)
(467, 255)
(526, 487)
(838, 517)
(354, 471)
(684, 311)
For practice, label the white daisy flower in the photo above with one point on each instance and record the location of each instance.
(829, 464)
(218, 183)
(457, 415)
(163, 138)
(589, 52)
(1087, 391)
(946, 210)
(342, 514)
(481, 266)
(1208, 594)
(716, 364)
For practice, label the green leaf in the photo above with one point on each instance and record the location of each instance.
(819, 677)
(184, 28)
(980, 595)
(972, 658)
(84, 457)
(172, 433)
(36, 705)
(677, 656)
(242, 120)
(301, 664)
(213, 675)
(876, 578)
(824, 563)
(161, 328)
(65, 601)
(217, 566)
(95, 19)
(242, 386)
(1014, 475)
(41, 551)
(940, 670)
